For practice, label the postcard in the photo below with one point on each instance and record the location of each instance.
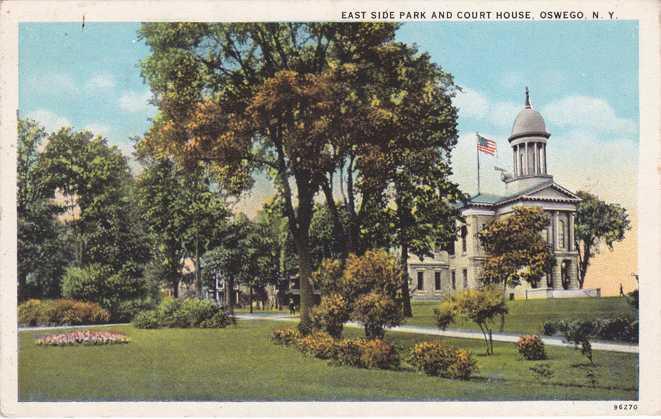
(287, 208)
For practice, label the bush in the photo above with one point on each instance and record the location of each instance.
(376, 353)
(620, 328)
(439, 359)
(632, 299)
(377, 311)
(318, 344)
(60, 312)
(331, 314)
(550, 328)
(191, 312)
(531, 347)
(285, 336)
(126, 310)
(147, 320)
(348, 351)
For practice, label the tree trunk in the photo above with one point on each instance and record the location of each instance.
(250, 298)
(175, 287)
(404, 265)
(198, 274)
(337, 222)
(229, 294)
(583, 263)
(305, 279)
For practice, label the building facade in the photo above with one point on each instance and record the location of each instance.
(529, 184)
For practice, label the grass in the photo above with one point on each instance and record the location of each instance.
(241, 364)
(528, 316)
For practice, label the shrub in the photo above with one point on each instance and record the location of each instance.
(331, 314)
(348, 351)
(443, 315)
(192, 312)
(439, 359)
(376, 270)
(327, 277)
(632, 299)
(147, 320)
(285, 336)
(60, 312)
(578, 332)
(550, 328)
(377, 353)
(619, 328)
(377, 311)
(82, 337)
(318, 344)
(126, 310)
(531, 347)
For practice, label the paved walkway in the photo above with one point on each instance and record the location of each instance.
(452, 333)
(464, 334)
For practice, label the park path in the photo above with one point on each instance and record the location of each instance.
(464, 334)
(451, 333)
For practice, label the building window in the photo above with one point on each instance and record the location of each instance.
(464, 275)
(437, 281)
(450, 248)
(561, 234)
(464, 233)
(454, 281)
(421, 280)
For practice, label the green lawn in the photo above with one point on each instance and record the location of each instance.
(528, 316)
(240, 363)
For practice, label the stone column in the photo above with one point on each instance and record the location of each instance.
(556, 236)
(516, 157)
(573, 274)
(570, 246)
(535, 159)
(525, 159)
(556, 278)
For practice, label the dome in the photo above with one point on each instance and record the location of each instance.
(528, 123)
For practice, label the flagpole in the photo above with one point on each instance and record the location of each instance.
(477, 137)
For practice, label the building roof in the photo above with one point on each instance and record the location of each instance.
(530, 194)
(528, 123)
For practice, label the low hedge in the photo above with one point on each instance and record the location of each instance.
(440, 359)
(190, 312)
(621, 328)
(60, 312)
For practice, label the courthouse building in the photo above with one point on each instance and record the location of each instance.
(530, 184)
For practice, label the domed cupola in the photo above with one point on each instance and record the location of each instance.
(528, 141)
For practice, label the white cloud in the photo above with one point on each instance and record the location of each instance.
(50, 120)
(100, 81)
(502, 114)
(471, 104)
(587, 113)
(98, 129)
(54, 83)
(135, 102)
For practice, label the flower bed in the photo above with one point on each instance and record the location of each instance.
(82, 337)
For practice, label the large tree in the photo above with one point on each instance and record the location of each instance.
(43, 252)
(274, 97)
(396, 187)
(183, 215)
(516, 249)
(91, 180)
(597, 223)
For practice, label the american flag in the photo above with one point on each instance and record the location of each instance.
(486, 145)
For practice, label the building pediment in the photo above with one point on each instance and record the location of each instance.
(551, 192)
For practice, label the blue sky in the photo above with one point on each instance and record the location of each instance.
(583, 78)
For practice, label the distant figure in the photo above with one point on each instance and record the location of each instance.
(292, 306)
(621, 290)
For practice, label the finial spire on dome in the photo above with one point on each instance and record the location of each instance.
(527, 99)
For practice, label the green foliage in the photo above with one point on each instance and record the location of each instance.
(327, 277)
(543, 372)
(98, 283)
(43, 251)
(578, 332)
(516, 250)
(190, 312)
(376, 311)
(632, 299)
(531, 347)
(148, 319)
(482, 306)
(348, 352)
(549, 328)
(621, 328)
(317, 344)
(60, 312)
(377, 353)
(285, 336)
(440, 359)
(376, 270)
(597, 222)
(331, 314)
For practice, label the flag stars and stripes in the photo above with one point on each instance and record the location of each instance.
(486, 145)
